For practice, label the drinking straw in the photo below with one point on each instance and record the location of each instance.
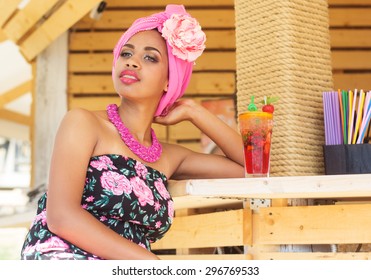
(325, 116)
(366, 121)
(368, 133)
(351, 112)
(345, 114)
(332, 119)
(329, 139)
(359, 115)
(341, 110)
(337, 116)
(367, 101)
(366, 110)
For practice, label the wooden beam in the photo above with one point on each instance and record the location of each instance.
(163, 3)
(311, 256)
(351, 60)
(183, 201)
(33, 125)
(184, 130)
(3, 37)
(14, 93)
(206, 257)
(201, 83)
(350, 17)
(182, 213)
(93, 41)
(50, 101)
(121, 20)
(15, 117)
(7, 9)
(350, 38)
(26, 18)
(67, 15)
(349, 2)
(90, 63)
(352, 81)
(216, 3)
(325, 224)
(105, 41)
(92, 103)
(102, 62)
(212, 83)
(161, 131)
(100, 102)
(204, 230)
(90, 84)
(325, 186)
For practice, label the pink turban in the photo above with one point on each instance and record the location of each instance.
(185, 42)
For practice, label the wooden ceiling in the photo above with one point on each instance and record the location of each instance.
(37, 23)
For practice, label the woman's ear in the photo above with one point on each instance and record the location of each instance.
(166, 87)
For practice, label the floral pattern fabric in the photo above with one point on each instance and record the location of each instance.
(122, 193)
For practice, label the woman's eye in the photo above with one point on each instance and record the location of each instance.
(150, 58)
(125, 54)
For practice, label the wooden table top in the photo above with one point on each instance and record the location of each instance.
(219, 192)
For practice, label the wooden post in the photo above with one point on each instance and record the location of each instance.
(50, 104)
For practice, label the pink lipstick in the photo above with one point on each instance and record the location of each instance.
(128, 77)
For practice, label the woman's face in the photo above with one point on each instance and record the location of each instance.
(141, 72)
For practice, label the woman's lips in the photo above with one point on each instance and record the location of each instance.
(128, 77)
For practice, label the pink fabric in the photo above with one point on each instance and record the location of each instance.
(180, 71)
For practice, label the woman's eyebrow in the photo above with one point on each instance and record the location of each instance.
(130, 46)
(152, 49)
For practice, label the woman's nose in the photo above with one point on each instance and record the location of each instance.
(132, 64)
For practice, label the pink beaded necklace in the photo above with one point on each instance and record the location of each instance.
(148, 154)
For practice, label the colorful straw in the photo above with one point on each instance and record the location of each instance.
(341, 111)
(351, 114)
(347, 116)
(359, 115)
(365, 119)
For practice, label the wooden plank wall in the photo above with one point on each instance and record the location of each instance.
(91, 43)
(350, 34)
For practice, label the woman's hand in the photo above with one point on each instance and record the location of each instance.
(180, 111)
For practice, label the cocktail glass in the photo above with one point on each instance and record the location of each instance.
(256, 131)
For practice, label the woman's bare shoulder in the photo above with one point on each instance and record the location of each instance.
(80, 117)
(81, 113)
(80, 121)
(79, 132)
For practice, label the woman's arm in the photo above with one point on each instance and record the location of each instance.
(74, 145)
(197, 165)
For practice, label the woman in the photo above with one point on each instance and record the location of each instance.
(107, 196)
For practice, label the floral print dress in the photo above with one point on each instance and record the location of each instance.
(122, 193)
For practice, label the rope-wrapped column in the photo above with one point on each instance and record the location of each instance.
(283, 49)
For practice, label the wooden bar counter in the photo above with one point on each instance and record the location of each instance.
(263, 217)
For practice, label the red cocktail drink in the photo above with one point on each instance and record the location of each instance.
(256, 131)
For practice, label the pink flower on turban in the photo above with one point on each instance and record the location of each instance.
(185, 43)
(183, 33)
